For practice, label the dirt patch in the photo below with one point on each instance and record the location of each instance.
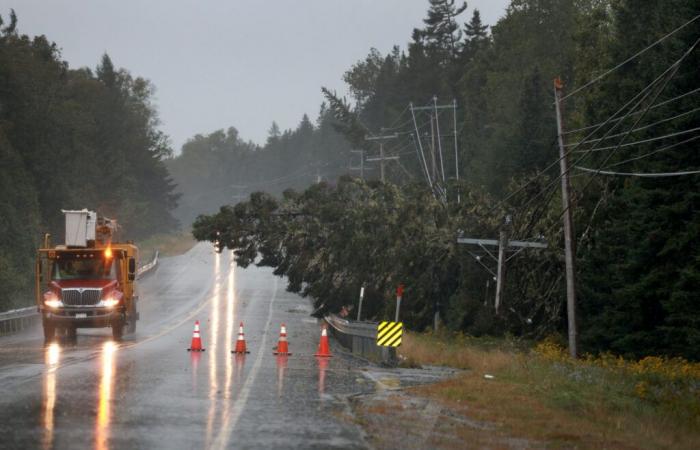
(404, 420)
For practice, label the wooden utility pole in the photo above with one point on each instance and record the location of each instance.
(381, 157)
(504, 245)
(432, 149)
(454, 118)
(501, 270)
(569, 244)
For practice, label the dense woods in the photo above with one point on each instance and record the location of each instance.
(637, 236)
(72, 139)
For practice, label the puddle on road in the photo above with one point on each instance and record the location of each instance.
(393, 379)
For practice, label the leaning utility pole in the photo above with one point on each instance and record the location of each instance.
(569, 249)
(501, 270)
(504, 245)
(382, 158)
(437, 124)
(454, 118)
(432, 148)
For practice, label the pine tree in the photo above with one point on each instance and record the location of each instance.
(476, 36)
(442, 33)
(105, 71)
(274, 133)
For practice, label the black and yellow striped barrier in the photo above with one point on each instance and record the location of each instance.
(389, 334)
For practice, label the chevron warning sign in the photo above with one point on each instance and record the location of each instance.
(389, 334)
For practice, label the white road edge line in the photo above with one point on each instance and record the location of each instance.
(239, 405)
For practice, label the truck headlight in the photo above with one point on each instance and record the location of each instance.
(110, 302)
(51, 300)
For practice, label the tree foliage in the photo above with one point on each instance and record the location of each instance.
(331, 240)
(71, 139)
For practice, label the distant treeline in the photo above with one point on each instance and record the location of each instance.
(221, 168)
(637, 236)
(72, 139)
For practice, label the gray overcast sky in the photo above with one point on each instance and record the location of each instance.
(221, 63)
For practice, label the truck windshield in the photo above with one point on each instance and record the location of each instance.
(84, 269)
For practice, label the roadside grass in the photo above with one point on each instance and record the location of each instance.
(167, 244)
(540, 394)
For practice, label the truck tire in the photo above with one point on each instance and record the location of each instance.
(117, 330)
(72, 333)
(49, 330)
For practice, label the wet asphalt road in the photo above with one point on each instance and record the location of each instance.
(148, 392)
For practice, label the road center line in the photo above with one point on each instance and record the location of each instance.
(230, 421)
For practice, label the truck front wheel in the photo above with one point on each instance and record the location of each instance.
(49, 330)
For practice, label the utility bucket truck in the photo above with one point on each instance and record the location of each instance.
(89, 281)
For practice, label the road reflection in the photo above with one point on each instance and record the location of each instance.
(281, 368)
(52, 357)
(230, 320)
(194, 357)
(104, 405)
(213, 340)
(322, 367)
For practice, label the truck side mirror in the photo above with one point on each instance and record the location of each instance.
(132, 269)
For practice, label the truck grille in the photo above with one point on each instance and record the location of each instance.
(81, 297)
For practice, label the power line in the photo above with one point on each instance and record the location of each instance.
(658, 105)
(643, 92)
(393, 126)
(643, 141)
(668, 147)
(584, 140)
(675, 66)
(651, 125)
(636, 174)
(608, 72)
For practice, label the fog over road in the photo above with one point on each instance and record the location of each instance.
(149, 392)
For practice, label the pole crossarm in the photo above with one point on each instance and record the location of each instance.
(379, 138)
(386, 158)
(425, 108)
(494, 243)
(504, 245)
(381, 157)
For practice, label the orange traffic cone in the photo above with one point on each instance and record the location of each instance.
(196, 345)
(282, 344)
(323, 347)
(240, 343)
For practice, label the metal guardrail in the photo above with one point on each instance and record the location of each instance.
(148, 268)
(18, 319)
(361, 339)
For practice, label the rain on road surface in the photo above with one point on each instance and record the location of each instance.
(149, 392)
